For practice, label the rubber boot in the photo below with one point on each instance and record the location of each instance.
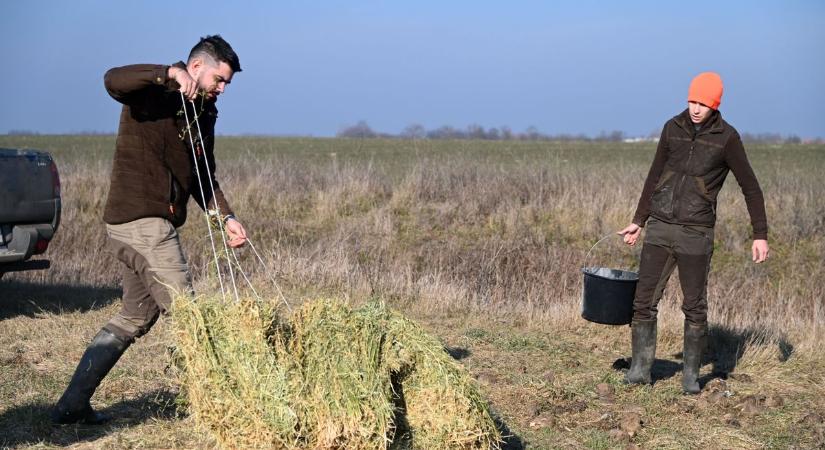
(101, 354)
(644, 351)
(695, 341)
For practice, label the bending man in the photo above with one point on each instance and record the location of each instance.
(153, 176)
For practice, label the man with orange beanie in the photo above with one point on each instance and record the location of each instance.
(696, 151)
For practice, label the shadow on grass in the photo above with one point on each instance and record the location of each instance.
(457, 353)
(27, 299)
(725, 348)
(662, 369)
(30, 424)
(511, 440)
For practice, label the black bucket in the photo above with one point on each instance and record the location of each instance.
(608, 294)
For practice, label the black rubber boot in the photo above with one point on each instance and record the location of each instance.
(101, 354)
(695, 341)
(644, 351)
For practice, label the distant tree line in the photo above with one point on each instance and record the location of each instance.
(22, 132)
(362, 130)
(773, 138)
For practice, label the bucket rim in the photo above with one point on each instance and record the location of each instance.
(587, 272)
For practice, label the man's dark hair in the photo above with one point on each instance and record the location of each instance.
(218, 49)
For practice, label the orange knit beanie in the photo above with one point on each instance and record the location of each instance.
(706, 88)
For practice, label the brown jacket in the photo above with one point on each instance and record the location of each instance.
(689, 169)
(153, 173)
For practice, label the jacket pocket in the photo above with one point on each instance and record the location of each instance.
(149, 232)
(668, 174)
(175, 195)
(703, 189)
(661, 203)
(174, 188)
(698, 207)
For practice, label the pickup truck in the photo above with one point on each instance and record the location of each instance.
(29, 208)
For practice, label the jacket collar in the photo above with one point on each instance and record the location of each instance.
(714, 124)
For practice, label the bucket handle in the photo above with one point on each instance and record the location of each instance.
(587, 256)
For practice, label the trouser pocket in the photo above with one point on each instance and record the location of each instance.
(694, 240)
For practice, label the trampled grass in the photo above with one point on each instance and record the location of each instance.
(481, 242)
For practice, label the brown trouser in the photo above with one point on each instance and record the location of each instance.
(154, 269)
(666, 246)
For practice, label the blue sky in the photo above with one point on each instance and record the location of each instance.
(314, 67)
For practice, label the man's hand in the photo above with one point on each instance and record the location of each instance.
(760, 250)
(236, 233)
(631, 233)
(188, 86)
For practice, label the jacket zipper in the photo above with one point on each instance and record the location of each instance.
(172, 195)
(678, 191)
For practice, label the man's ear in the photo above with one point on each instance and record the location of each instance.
(194, 65)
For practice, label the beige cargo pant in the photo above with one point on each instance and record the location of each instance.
(154, 270)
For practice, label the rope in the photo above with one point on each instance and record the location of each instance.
(271, 277)
(240, 269)
(220, 221)
(217, 207)
(200, 183)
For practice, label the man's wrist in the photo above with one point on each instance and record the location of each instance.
(227, 217)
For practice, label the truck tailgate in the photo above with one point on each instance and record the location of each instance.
(27, 188)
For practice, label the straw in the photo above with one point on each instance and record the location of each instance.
(330, 377)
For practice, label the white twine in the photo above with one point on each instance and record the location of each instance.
(240, 269)
(214, 198)
(271, 277)
(200, 184)
(220, 221)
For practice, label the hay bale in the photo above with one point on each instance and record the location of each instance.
(443, 406)
(330, 377)
(346, 396)
(235, 386)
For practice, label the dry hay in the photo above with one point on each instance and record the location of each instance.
(329, 378)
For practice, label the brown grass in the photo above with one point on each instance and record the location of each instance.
(464, 236)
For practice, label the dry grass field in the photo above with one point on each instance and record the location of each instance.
(482, 243)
